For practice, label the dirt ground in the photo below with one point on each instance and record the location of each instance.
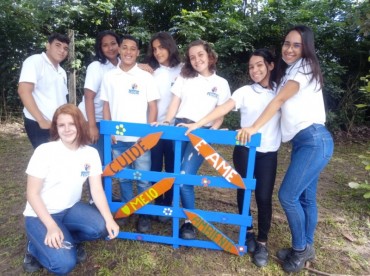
(342, 237)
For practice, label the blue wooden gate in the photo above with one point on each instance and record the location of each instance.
(176, 212)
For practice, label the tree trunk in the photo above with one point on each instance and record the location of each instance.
(72, 70)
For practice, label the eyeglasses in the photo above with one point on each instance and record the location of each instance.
(295, 46)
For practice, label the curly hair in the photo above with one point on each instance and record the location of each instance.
(187, 70)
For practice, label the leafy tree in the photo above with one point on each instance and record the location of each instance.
(234, 27)
(21, 34)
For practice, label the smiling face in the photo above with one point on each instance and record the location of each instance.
(109, 47)
(199, 60)
(129, 52)
(259, 70)
(56, 51)
(160, 53)
(292, 47)
(67, 130)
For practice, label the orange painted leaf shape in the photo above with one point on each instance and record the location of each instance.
(216, 161)
(139, 148)
(145, 197)
(212, 233)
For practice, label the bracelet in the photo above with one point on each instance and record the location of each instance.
(166, 122)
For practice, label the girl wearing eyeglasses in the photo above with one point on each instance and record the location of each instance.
(301, 102)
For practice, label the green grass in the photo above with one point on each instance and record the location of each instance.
(342, 212)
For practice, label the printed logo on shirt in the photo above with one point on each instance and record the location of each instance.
(213, 93)
(133, 89)
(86, 171)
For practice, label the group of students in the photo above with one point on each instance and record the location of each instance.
(284, 103)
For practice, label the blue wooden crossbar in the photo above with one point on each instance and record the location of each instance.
(177, 135)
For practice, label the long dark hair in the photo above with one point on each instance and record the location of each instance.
(99, 56)
(187, 70)
(308, 55)
(169, 44)
(268, 59)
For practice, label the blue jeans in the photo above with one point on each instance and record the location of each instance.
(99, 145)
(161, 153)
(36, 135)
(79, 223)
(264, 173)
(312, 149)
(142, 163)
(191, 161)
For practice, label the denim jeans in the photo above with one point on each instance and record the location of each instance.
(81, 222)
(312, 149)
(36, 135)
(265, 174)
(142, 163)
(163, 151)
(191, 161)
(99, 145)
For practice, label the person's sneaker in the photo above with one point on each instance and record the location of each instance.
(260, 255)
(81, 253)
(283, 253)
(143, 224)
(30, 263)
(251, 242)
(187, 231)
(295, 260)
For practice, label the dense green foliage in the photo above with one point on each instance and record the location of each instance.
(234, 27)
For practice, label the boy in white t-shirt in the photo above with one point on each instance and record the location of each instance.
(43, 88)
(130, 95)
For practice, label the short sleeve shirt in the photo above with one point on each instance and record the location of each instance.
(306, 107)
(252, 101)
(200, 95)
(50, 84)
(94, 76)
(63, 172)
(165, 77)
(128, 94)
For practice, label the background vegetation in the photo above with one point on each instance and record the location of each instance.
(235, 27)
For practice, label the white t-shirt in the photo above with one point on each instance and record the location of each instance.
(306, 107)
(165, 77)
(252, 101)
(128, 94)
(50, 84)
(94, 76)
(200, 95)
(64, 172)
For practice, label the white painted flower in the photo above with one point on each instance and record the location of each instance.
(137, 175)
(120, 129)
(167, 211)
